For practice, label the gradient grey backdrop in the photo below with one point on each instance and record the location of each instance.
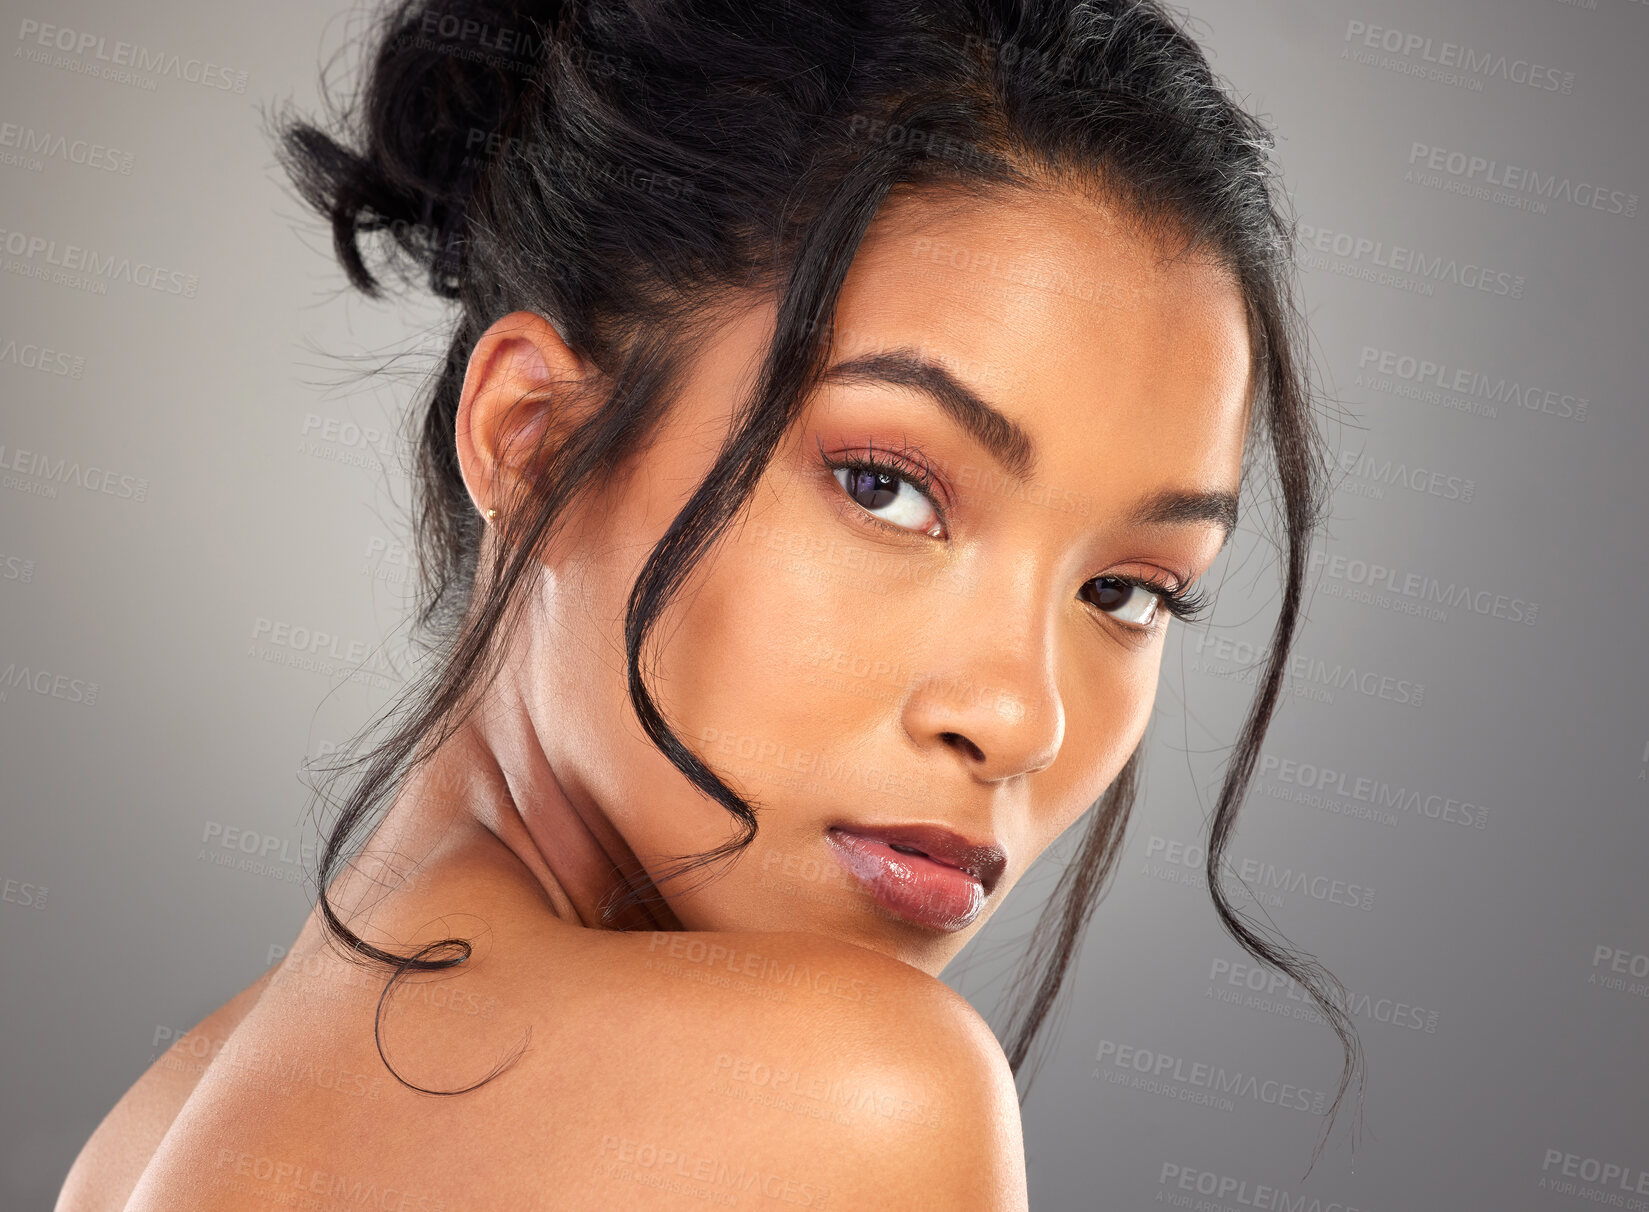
(194, 470)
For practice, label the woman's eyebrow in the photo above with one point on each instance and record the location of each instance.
(1009, 444)
(1182, 506)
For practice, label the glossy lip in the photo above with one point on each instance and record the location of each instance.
(924, 874)
(982, 860)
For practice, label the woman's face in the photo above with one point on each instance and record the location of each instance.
(866, 651)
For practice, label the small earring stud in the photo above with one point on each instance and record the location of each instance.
(492, 513)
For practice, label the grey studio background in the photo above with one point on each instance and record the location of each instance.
(199, 485)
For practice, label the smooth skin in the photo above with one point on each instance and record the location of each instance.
(769, 1031)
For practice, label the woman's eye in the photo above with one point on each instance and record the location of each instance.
(890, 497)
(1133, 604)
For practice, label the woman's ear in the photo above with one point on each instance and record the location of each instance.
(521, 380)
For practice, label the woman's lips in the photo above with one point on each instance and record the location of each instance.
(918, 887)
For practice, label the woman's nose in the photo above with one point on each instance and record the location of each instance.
(991, 697)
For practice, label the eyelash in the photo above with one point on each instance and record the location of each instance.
(905, 464)
(1187, 604)
(908, 464)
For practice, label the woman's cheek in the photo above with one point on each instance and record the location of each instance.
(734, 663)
(1105, 720)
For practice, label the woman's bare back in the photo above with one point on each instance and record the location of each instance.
(643, 1071)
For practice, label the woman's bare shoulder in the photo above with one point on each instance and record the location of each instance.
(113, 1158)
(632, 1070)
(793, 1065)
(875, 1078)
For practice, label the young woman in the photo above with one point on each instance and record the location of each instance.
(842, 400)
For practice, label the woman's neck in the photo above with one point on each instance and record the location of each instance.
(491, 785)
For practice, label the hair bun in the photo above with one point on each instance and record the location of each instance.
(440, 97)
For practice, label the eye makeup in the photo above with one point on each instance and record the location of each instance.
(883, 473)
(876, 470)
